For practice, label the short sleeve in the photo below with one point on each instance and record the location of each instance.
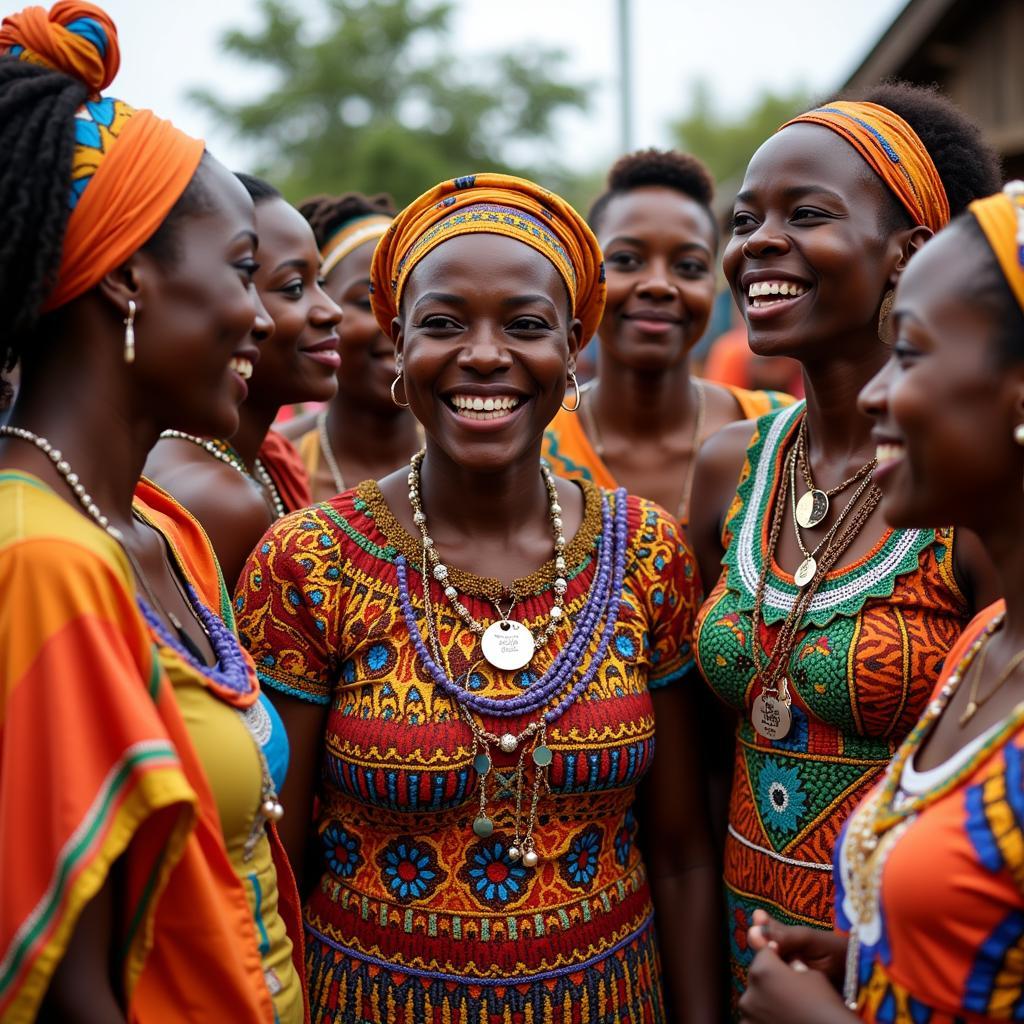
(671, 592)
(88, 772)
(287, 606)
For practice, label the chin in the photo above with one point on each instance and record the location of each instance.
(910, 513)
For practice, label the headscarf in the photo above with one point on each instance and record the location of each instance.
(129, 166)
(349, 235)
(893, 151)
(496, 204)
(1001, 218)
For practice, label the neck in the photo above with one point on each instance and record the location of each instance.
(469, 504)
(371, 436)
(838, 429)
(1002, 542)
(254, 422)
(642, 403)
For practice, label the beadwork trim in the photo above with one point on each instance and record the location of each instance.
(791, 861)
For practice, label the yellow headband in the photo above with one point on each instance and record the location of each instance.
(893, 151)
(352, 235)
(1001, 218)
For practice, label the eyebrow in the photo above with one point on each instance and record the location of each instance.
(525, 300)
(796, 192)
(445, 297)
(247, 233)
(639, 243)
(298, 263)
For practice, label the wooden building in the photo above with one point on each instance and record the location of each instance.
(974, 51)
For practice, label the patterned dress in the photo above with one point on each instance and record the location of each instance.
(861, 670)
(413, 917)
(941, 930)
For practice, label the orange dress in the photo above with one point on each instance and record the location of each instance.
(935, 902)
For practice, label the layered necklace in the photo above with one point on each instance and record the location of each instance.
(223, 451)
(549, 696)
(770, 713)
(230, 673)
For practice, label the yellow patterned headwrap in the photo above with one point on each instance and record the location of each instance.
(1001, 218)
(893, 151)
(496, 204)
(352, 234)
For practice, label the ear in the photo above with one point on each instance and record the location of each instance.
(126, 282)
(398, 337)
(907, 243)
(575, 340)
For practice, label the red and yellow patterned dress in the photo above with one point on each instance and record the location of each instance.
(413, 917)
(861, 671)
(934, 900)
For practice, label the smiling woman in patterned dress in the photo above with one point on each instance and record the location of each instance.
(476, 854)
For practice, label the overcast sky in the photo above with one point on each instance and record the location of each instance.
(739, 46)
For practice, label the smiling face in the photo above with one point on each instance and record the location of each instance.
(810, 256)
(946, 403)
(659, 252)
(196, 312)
(486, 342)
(299, 360)
(367, 355)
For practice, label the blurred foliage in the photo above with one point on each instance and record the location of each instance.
(369, 95)
(726, 144)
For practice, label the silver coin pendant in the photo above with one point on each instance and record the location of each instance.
(508, 645)
(805, 571)
(811, 509)
(771, 717)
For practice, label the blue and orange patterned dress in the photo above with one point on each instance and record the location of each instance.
(413, 917)
(861, 670)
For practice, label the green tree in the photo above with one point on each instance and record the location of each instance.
(374, 98)
(726, 144)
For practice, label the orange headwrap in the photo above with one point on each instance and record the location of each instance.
(129, 166)
(893, 151)
(496, 204)
(1001, 218)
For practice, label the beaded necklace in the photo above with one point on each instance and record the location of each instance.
(223, 451)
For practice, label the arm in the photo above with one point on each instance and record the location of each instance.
(975, 574)
(684, 877)
(715, 479)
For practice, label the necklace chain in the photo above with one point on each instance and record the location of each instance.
(223, 451)
(325, 446)
(804, 460)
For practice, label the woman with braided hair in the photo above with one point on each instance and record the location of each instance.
(138, 859)
(364, 433)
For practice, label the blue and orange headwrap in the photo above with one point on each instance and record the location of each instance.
(129, 166)
(1001, 218)
(496, 204)
(893, 151)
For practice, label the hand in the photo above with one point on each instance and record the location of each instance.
(779, 993)
(820, 950)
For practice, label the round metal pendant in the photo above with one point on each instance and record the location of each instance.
(483, 826)
(771, 717)
(805, 571)
(811, 509)
(508, 645)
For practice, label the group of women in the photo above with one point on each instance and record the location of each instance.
(410, 720)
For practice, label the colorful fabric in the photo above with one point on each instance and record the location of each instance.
(86, 703)
(893, 151)
(958, 847)
(570, 453)
(412, 917)
(1001, 218)
(349, 236)
(129, 166)
(861, 670)
(287, 469)
(496, 204)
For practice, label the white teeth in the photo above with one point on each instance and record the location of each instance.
(243, 367)
(484, 408)
(888, 453)
(767, 288)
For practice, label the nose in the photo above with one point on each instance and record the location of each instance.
(873, 399)
(483, 352)
(657, 283)
(765, 240)
(325, 312)
(262, 324)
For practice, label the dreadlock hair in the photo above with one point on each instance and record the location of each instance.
(668, 168)
(328, 213)
(968, 166)
(259, 190)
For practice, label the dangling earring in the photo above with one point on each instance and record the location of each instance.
(394, 397)
(1018, 433)
(576, 387)
(129, 333)
(883, 316)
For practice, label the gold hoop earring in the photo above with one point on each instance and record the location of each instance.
(394, 397)
(576, 387)
(883, 316)
(129, 333)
